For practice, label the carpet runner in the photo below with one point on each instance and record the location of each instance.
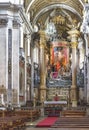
(47, 122)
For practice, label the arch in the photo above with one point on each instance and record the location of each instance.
(81, 3)
(29, 5)
(55, 6)
(32, 1)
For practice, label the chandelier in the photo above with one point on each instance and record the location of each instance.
(50, 29)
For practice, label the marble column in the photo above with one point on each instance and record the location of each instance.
(42, 67)
(74, 35)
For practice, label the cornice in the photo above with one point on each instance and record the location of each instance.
(9, 6)
(25, 20)
(16, 8)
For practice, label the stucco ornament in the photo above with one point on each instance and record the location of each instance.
(85, 23)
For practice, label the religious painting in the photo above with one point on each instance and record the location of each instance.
(60, 58)
(59, 69)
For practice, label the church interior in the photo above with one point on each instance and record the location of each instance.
(44, 64)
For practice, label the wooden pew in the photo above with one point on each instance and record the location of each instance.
(73, 113)
(17, 119)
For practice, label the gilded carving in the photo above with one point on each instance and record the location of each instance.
(74, 44)
(85, 23)
(42, 34)
(42, 45)
(59, 19)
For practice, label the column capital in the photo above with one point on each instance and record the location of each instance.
(16, 23)
(42, 45)
(74, 44)
(74, 34)
(3, 21)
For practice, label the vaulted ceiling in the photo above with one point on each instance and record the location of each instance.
(70, 12)
(39, 7)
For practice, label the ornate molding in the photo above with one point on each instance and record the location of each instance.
(25, 20)
(74, 34)
(3, 22)
(2, 89)
(16, 23)
(42, 34)
(74, 44)
(85, 23)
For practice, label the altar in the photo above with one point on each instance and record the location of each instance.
(54, 108)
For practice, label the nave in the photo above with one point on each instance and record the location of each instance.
(44, 64)
(36, 118)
